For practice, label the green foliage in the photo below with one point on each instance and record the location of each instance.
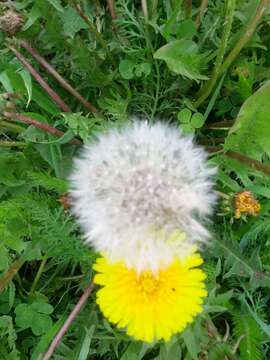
(247, 328)
(251, 130)
(182, 57)
(150, 68)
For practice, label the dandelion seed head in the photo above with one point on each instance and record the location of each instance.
(135, 187)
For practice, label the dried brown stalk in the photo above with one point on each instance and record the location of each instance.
(29, 121)
(68, 322)
(56, 98)
(57, 76)
(111, 9)
(9, 275)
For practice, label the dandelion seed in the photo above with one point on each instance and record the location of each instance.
(135, 187)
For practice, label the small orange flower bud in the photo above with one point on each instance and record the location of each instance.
(246, 204)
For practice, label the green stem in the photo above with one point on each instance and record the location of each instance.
(7, 125)
(188, 9)
(4, 143)
(209, 85)
(201, 12)
(157, 92)
(38, 275)
(250, 28)
(96, 34)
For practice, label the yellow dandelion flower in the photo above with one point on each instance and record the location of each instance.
(151, 306)
(245, 203)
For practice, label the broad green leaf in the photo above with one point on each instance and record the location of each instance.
(33, 316)
(14, 82)
(126, 69)
(46, 339)
(25, 316)
(27, 83)
(34, 15)
(85, 348)
(182, 57)
(42, 307)
(171, 350)
(41, 324)
(197, 120)
(184, 116)
(187, 129)
(72, 22)
(143, 69)
(5, 80)
(251, 132)
(134, 351)
(56, 4)
(191, 343)
(186, 29)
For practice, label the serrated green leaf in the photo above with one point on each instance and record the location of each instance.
(250, 345)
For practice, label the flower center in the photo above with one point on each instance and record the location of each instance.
(148, 283)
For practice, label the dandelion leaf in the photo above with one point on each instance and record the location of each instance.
(251, 132)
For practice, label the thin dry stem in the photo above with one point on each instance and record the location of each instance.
(29, 121)
(95, 32)
(111, 9)
(57, 76)
(254, 164)
(56, 98)
(9, 275)
(144, 9)
(69, 321)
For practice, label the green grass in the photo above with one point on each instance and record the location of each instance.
(207, 76)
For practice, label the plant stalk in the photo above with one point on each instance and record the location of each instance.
(9, 275)
(57, 76)
(4, 143)
(188, 9)
(209, 85)
(29, 121)
(254, 164)
(13, 127)
(94, 31)
(38, 275)
(250, 28)
(69, 321)
(201, 13)
(144, 9)
(111, 9)
(56, 98)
